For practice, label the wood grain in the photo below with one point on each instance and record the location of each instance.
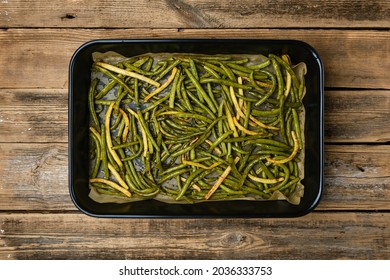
(44, 54)
(356, 176)
(37, 217)
(76, 236)
(41, 115)
(196, 14)
(33, 115)
(34, 177)
(357, 116)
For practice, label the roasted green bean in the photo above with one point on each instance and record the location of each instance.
(192, 128)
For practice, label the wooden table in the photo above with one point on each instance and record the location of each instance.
(37, 217)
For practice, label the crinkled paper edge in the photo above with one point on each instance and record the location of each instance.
(295, 198)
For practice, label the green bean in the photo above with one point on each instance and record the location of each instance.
(245, 69)
(201, 105)
(241, 138)
(294, 95)
(104, 150)
(117, 121)
(146, 128)
(219, 196)
(193, 69)
(149, 63)
(134, 175)
(288, 69)
(220, 139)
(279, 77)
(144, 193)
(267, 113)
(187, 115)
(189, 180)
(268, 153)
(98, 108)
(260, 65)
(111, 160)
(201, 91)
(275, 83)
(266, 170)
(138, 70)
(190, 147)
(229, 73)
(230, 191)
(289, 184)
(245, 158)
(106, 89)
(229, 181)
(212, 70)
(281, 119)
(254, 84)
(301, 90)
(204, 152)
(297, 128)
(91, 104)
(136, 92)
(173, 174)
(238, 61)
(291, 166)
(98, 155)
(213, 58)
(172, 149)
(170, 132)
(160, 66)
(247, 115)
(239, 150)
(281, 184)
(269, 142)
(173, 89)
(289, 120)
(118, 80)
(120, 146)
(181, 127)
(257, 192)
(215, 120)
(104, 102)
(211, 95)
(133, 129)
(167, 70)
(135, 155)
(224, 82)
(173, 169)
(121, 154)
(140, 61)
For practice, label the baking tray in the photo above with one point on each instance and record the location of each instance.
(79, 81)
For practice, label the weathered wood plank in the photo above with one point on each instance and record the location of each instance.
(34, 177)
(77, 236)
(357, 116)
(356, 175)
(33, 115)
(40, 115)
(196, 14)
(44, 54)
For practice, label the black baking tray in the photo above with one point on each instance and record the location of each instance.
(79, 81)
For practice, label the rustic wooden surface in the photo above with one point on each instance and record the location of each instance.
(37, 217)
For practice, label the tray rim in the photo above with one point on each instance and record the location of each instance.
(303, 44)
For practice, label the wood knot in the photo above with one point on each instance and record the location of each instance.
(191, 14)
(360, 168)
(68, 16)
(234, 239)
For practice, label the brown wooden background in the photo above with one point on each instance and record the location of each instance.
(37, 217)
